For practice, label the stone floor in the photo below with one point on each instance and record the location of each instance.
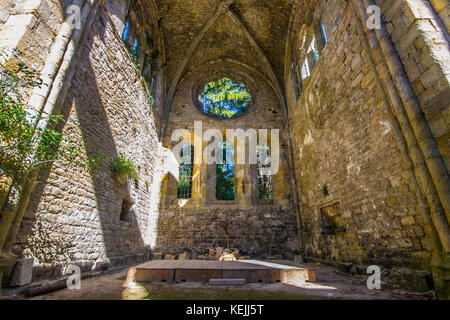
(331, 284)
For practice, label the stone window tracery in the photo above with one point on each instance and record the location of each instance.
(225, 98)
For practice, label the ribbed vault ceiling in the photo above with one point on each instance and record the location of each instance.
(252, 32)
(184, 21)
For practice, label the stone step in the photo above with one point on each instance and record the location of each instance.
(226, 282)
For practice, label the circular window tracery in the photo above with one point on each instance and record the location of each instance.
(224, 98)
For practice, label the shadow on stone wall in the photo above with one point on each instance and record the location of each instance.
(57, 243)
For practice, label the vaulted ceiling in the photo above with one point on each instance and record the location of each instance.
(223, 34)
(250, 32)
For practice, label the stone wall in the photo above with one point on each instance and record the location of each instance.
(421, 39)
(356, 191)
(75, 216)
(353, 162)
(255, 228)
(5, 9)
(260, 232)
(30, 27)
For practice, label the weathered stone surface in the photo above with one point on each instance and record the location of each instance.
(101, 265)
(22, 272)
(184, 256)
(276, 257)
(77, 218)
(342, 151)
(412, 280)
(343, 139)
(157, 256)
(253, 241)
(227, 282)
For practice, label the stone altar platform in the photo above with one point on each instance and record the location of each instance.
(253, 271)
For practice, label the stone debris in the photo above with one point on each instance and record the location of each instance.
(184, 256)
(22, 272)
(362, 118)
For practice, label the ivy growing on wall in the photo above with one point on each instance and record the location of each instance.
(25, 147)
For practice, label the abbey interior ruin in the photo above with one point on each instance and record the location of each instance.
(355, 107)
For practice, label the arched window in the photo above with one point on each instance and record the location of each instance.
(140, 44)
(306, 73)
(185, 172)
(312, 55)
(129, 34)
(136, 47)
(225, 171)
(265, 189)
(324, 33)
(126, 29)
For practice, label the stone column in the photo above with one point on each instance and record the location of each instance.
(424, 154)
(243, 185)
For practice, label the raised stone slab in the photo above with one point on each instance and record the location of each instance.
(252, 271)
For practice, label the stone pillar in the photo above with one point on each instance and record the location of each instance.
(243, 185)
(209, 183)
(198, 184)
(280, 185)
(254, 184)
(18, 28)
(424, 154)
(440, 266)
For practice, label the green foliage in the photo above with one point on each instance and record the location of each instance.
(148, 73)
(95, 163)
(185, 173)
(225, 98)
(133, 56)
(184, 190)
(25, 147)
(134, 59)
(265, 188)
(225, 181)
(121, 166)
(325, 190)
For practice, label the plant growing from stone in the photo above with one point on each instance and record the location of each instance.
(123, 168)
(25, 147)
(325, 190)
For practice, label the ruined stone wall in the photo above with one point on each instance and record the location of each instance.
(5, 9)
(356, 192)
(31, 27)
(254, 227)
(442, 8)
(75, 216)
(260, 232)
(421, 39)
